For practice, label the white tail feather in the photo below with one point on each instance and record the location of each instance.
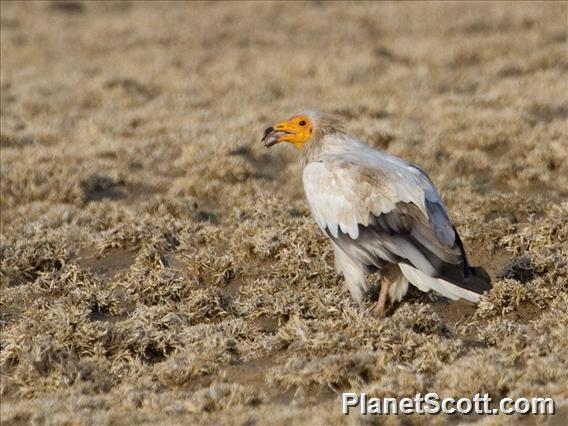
(445, 288)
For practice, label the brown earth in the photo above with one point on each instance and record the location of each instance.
(159, 265)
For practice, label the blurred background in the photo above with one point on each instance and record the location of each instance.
(139, 93)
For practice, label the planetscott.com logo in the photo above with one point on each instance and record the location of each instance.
(431, 403)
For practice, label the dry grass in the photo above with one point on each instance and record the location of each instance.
(159, 266)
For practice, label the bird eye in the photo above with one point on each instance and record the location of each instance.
(302, 123)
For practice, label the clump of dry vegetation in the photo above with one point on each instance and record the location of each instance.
(159, 266)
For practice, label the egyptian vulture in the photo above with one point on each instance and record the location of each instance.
(380, 212)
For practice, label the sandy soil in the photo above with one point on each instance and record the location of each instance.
(159, 265)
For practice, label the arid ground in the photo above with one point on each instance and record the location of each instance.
(159, 265)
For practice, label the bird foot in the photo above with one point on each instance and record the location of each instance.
(378, 310)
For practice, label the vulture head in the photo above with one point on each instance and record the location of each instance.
(302, 129)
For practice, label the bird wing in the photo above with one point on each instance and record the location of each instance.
(379, 208)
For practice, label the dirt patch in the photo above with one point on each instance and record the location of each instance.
(106, 265)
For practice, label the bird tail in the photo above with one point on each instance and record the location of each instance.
(471, 289)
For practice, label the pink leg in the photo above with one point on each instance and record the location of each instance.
(379, 308)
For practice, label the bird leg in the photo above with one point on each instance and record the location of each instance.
(379, 308)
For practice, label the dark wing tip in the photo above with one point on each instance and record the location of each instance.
(480, 280)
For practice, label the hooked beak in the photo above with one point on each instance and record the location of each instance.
(273, 136)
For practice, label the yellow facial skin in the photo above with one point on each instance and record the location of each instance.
(297, 130)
